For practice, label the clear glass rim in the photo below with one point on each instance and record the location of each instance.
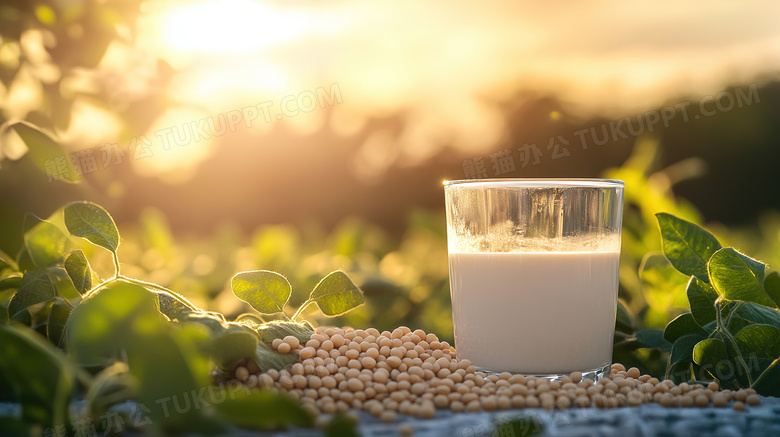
(536, 183)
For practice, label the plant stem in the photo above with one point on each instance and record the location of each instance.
(726, 335)
(116, 266)
(301, 308)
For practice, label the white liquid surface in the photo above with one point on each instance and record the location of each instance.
(534, 312)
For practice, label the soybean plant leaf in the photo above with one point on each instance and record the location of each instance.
(735, 278)
(171, 307)
(13, 280)
(525, 425)
(335, 294)
(89, 220)
(701, 297)
(758, 314)
(623, 319)
(757, 267)
(160, 365)
(768, 384)
(266, 291)
(232, 346)
(112, 385)
(58, 320)
(341, 426)
(682, 349)
(46, 153)
(772, 287)
(759, 341)
(268, 358)
(105, 323)
(36, 287)
(214, 321)
(78, 269)
(653, 338)
(13, 427)
(45, 243)
(687, 245)
(711, 354)
(273, 330)
(681, 325)
(263, 410)
(42, 376)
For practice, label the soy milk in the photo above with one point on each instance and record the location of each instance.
(534, 312)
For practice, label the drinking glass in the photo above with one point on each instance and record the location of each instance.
(534, 273)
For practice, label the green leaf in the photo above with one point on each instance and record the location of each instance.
(91, 221)
(78, 269)
(524, 425)
(687, 245)
(13, 427)
(768, 384)
(172, 308)
(735, 278)
(759, 341)
(112, 385)
(232, 346)
(772, 287)
(264, 410)
(758, 314)
(341, 426)
(653, 338)
(46, 244)
(103, 324)
(160, 365)
(273, 330)
(682, 349)
(58, 320)
(711, 355)
(268, 358)
(335, 294)
(214, 321)
(701, 297)
(266, 291)
(37, 287)
(681, 325)
(11, 281)
(42, 376)
(46, 153)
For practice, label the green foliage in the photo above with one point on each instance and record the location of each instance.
(267, 292)
(92, 222)
(43, 147)
(732, 334)
(36, 287)
(737, 277)
(44, 242)
(146, 342)
(335, 294)
(77, 267)
(263, 410)
(687, 246)
(43, 378)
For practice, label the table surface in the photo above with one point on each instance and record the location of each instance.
(647, 420)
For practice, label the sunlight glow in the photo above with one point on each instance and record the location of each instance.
(229, 26)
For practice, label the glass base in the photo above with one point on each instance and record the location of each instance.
(595, 374)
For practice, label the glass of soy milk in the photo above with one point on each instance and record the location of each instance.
(534, 273)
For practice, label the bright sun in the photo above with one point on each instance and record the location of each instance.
(228, 26)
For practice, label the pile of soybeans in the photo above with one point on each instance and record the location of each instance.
(411, 372)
